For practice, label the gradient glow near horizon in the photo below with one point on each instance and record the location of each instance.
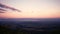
(32, 9)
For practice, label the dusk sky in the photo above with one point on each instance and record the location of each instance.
(32, 9)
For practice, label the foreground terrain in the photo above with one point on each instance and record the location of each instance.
(29, 27)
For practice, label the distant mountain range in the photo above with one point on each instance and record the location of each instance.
(30, 19)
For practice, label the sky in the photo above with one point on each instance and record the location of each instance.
(32, 9)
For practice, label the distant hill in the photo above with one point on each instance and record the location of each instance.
(19, 26)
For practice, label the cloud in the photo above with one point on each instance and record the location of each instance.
(7, 7)
(2, 10)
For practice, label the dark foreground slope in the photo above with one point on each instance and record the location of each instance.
(30, 27)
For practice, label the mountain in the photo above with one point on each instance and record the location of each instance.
(30, 26)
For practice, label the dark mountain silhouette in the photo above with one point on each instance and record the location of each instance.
(51, 26)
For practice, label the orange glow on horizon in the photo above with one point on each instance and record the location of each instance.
(20, 15)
